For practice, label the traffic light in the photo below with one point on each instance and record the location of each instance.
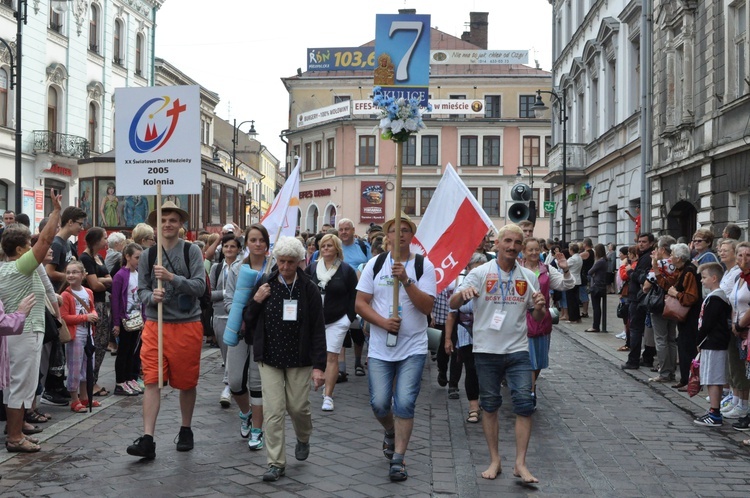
(523, 207)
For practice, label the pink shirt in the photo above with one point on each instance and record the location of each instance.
(10, 324)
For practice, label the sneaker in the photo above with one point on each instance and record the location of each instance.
(141, 385)
(184, 439)
(622, 335)
(743, 424)
(52, 398)
(247, 423)
(226, 398)
(735, 412)
(256, 440)
(301, 451)
(660, 379)
(273, 473)
(124, 389)
(453, 393)
(143, 447)
(709, 420)
(726, 401)
(134, 387)
(327, 404)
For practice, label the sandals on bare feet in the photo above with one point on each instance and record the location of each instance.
(745, 442)
(474, 416)
(22, 446)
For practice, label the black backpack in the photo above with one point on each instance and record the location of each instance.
(205, 299)
(418, 264)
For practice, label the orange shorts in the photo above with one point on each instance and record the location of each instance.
(182, 353)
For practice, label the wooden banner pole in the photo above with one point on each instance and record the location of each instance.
(159, 285)
(396, 249)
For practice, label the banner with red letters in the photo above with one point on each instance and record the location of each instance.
(453, 215)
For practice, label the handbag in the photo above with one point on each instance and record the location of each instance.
(133, 322)
(694, 382)
(54, 328)
(653, 300)
(673, 310)
(622, 309)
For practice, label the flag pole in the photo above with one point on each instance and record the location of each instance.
(396, 249)
(268, 266)
(160, 305)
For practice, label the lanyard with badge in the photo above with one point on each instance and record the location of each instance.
(290, 305)
(499, 316)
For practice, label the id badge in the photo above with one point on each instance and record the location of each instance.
(497, 320)
(290, 310)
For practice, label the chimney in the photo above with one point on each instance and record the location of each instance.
(407, 11)
(478, 26)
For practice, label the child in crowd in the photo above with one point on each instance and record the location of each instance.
(79, 314)
(714, 332)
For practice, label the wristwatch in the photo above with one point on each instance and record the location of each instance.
(408, 282)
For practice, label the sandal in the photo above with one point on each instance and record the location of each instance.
(77, 407)
(359, 371)
(592, 330)
(389, 445)
(101, 392)
(584, 315)
(398, 471)
(94, 403)
(31, 429)
(474, 417)
(32, 439)
(22, 446)
(48, 416)
(33, 417)
(624, 348)
(745, 442)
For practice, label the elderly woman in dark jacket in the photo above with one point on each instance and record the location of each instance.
(285, 318)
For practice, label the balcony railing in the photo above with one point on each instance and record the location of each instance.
(61, 144)
(576, 161)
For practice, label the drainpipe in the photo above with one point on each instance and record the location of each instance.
(153, 45)
(647, 49)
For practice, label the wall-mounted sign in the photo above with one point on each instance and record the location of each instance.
(440, 106)
(341, 59)
(59, 170)
(479, 57)
(372, 202)
(324, 114)
(309, 194)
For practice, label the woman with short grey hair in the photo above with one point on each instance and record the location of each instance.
(113, 259)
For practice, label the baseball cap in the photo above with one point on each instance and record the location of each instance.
(228, 228)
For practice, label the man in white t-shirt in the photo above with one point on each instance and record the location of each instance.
(503, 292)
(393, 406)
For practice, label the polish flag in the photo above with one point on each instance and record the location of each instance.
(452, 227)
(281, 218)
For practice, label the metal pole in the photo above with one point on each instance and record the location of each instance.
(20, 18)
(234, 145)
(564, 119)
(646, 113)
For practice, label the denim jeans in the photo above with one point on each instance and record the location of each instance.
(516, 368)
(408, 375)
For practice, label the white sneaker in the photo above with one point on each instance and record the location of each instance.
(727, 409)
(247, 423)
(226, 398)
(327, 404)
(735, 412)
(621, 335)
(726, 401)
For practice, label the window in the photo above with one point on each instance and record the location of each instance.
(340, 98)
(739, 50)
(409, 152)
(429, 150)
(3, 196)
(594, 119)
(526, 106)
(492, 106)
(475, 192)
(330, 153)
(367, 150)
(491, 151)
(93, 127)
(469, 146)
(409, 201)
(3, 97)
(205, 131)
(458, 97)
(94, 29)
(215, 204)
(491, 201)
(55, 20)
(117, 45)
(52, 109)
(231, 205)
(531, 151)
(139, 54)
(425, 194)
(318, 164)
(308, 166)
(635, 75)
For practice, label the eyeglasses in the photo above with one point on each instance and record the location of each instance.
(698, 240)
(403, 230)
(73, 272)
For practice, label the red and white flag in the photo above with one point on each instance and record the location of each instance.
(281, 218)
(452, 227)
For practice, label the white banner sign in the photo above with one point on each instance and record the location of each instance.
(479, 57)
(446, 106)
(158, 140)
(324, 114)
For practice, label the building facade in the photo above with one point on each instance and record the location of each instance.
(72, 62)
(490, 136)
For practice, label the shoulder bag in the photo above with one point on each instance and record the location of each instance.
(673, 310)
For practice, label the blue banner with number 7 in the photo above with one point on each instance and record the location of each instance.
(402, 55)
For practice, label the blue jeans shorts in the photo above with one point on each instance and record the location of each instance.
(408, 374)
(516, 368)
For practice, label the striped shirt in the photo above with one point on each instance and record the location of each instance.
(20, 279)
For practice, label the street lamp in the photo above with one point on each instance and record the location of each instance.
(235, 137)
(539, 109)
(59, 6)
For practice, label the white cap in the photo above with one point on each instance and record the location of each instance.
(228, 228)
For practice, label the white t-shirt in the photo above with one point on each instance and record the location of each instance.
(412, 336)
(500, 291)
(133, 301)
(739, 299)
(82, 328)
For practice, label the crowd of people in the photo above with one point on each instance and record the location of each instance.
(300, 302)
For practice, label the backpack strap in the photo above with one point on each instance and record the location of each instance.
(362, 246)
(379, 261)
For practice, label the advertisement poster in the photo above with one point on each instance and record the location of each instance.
(341, 59)
(29, 203)
(372, 202)
(158, 141)
(85, 201)
(38, 207)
